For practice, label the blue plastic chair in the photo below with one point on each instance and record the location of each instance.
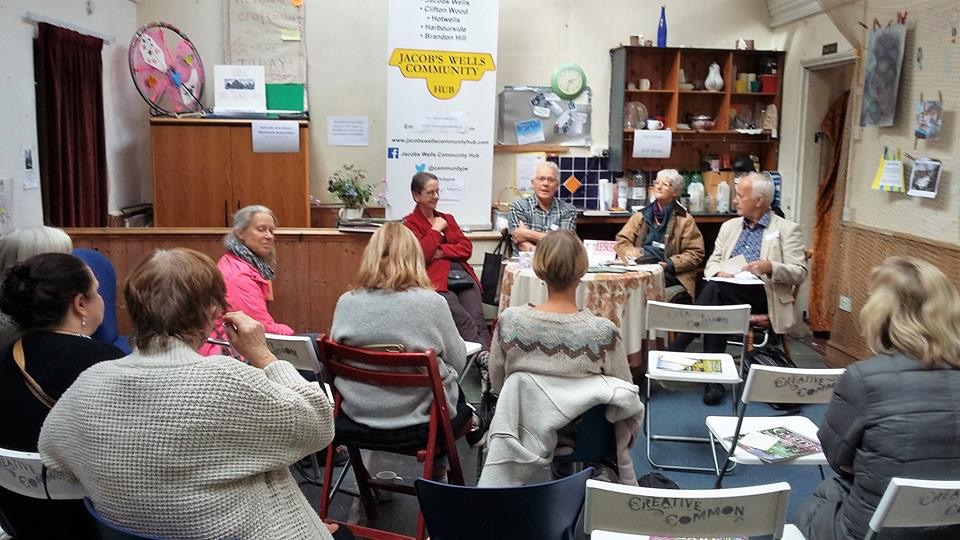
(102, 268)
(109, 531)
(548, 510)
(595, 440)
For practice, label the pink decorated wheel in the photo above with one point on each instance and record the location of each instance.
(166, 69)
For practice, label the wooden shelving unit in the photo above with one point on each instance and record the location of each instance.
(661, 66)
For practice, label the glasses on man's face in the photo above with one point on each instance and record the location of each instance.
(550, 179)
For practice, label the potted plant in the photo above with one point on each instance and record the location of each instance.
(350, 186)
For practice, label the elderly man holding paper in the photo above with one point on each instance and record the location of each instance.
(758, 259)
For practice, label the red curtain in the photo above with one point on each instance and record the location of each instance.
(70, 131)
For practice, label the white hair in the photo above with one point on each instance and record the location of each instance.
(762, 186)
(552, 166)
(241, 220)
(21, 244)
(675, 178)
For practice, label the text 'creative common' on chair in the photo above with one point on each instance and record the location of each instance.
(24, 473)
(388, 369)
(911, 503)
(768, 384)
(616, 510)
(548, 510)
(663, 316)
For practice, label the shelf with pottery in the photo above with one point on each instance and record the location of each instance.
(676, 84)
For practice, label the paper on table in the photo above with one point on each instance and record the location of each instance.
(758, 440)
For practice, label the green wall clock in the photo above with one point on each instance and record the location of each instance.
(568, 81)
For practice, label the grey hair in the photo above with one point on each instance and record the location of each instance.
(21, 244)
(552, 166)
(675, 178)
(241, 220)
(762, 186)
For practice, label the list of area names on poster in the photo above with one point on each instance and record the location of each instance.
(444, 20)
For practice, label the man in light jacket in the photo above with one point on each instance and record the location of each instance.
(773, 249)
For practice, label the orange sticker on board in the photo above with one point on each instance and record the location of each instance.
(572, 184)
(296, 3)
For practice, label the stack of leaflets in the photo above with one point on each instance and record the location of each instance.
(690, 364)
(365, 225)
(777, 444)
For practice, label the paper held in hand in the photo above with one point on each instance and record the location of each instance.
(734, 266)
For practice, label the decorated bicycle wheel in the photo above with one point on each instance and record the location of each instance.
(166, 69)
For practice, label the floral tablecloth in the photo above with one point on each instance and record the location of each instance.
(622, 298)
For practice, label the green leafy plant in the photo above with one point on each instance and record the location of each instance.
(350, 186)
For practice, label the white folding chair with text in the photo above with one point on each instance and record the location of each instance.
(767, 384)
(25, 474)
(617, 511)
(912, 503)
(702, 368)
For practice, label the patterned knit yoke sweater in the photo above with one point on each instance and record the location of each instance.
(182, 446)
(569, 345)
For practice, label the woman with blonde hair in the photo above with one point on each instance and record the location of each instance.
(897, 413)
(394, 302)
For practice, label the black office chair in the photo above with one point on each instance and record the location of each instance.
(548, 510)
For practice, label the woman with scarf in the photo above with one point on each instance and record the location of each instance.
(248, 269)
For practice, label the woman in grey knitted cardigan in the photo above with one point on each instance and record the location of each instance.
(394, 303)
(173, 444)
(556, 337)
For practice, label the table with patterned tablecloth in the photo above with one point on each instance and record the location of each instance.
(619, 297)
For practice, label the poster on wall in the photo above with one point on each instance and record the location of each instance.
(925, 178)
(882, 81)
(266, 33)
(441, 100)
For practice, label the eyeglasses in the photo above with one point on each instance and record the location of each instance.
(545, 178)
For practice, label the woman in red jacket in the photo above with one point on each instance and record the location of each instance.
(446, 251)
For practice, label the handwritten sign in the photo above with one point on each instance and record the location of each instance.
(652, 143)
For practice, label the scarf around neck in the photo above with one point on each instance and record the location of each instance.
(239, 249)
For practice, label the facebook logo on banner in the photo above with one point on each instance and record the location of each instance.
(393, 152)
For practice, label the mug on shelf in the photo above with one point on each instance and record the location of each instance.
(653, 123)
(644, 84)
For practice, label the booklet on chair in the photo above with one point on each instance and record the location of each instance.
(692, 364)
(777, 444)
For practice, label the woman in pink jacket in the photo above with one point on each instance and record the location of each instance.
(248, 269)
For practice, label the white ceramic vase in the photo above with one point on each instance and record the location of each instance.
(350, 213)
(714, 81)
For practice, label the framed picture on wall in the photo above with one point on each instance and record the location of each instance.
(925, 178)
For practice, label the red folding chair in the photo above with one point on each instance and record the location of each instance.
(342, 361)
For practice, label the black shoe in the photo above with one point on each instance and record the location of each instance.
(713, 393)
(478, 435)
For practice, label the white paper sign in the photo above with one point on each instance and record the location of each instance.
(600, 251)
(6, 205)
(30, 166)
(276, 136)
(525, 168)
(348, 131)
(452, 188)
(239, 89)
(652, 143)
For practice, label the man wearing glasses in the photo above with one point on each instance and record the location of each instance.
(533, 217)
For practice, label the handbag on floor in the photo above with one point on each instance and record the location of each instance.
(492, 268)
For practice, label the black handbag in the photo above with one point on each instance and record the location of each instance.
(774, 357)
(492, 267)
(458, 279)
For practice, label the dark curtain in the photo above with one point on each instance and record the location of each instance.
(821, 303)
(70, 131)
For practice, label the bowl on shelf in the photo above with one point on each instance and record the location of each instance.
(686, 87)
(683, 127)
(701, 121)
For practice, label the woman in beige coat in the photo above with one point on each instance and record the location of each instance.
(665, 232)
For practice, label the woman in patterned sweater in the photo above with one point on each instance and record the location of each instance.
(556, 338)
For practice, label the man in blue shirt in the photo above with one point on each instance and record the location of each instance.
(533, 217)
(773, 249)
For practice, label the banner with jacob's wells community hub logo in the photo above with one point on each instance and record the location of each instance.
(441, 103)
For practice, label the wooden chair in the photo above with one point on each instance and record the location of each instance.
(767, 384)
(548, 510)
(694, 319)
(377, 368)
(911, 503)
(616, 511)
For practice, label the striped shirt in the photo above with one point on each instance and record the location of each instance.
(751, 238)
(561, 215)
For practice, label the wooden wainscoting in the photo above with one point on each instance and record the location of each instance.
(316, 266)
(861, 249)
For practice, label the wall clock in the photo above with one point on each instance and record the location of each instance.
(568, 81)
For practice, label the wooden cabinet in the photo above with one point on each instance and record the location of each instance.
(205, 170)
(662, 68)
